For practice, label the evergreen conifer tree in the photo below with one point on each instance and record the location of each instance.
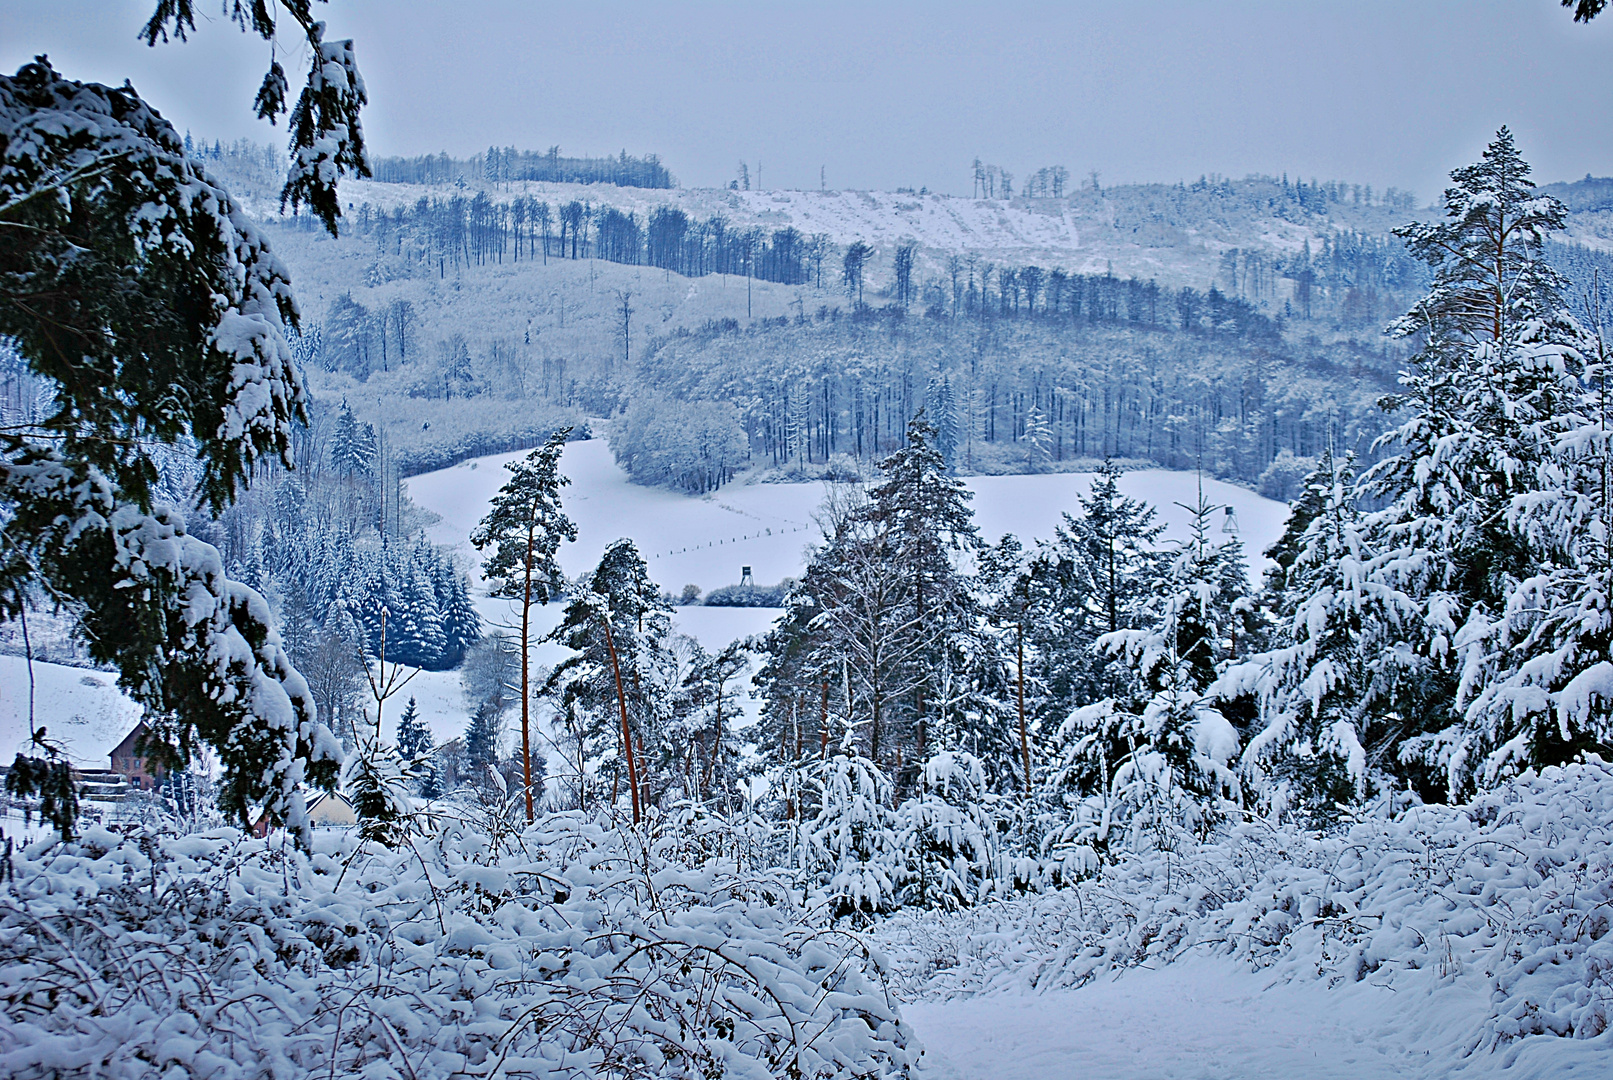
(618, 687)
(461, 624)
(923, 519)
(1038, 440)
(944, 409)
(1160, 756)
(1550, 697)
(525, 528)
(1326, 737)
(352, 447)
(415, 745)
(712, 686)
(855, 851)
(482, 739)
(1486, 399)
(948, 835)
(414, 738)
(417, 622)
(140, 293)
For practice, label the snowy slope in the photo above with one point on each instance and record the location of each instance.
(1087, 233)
(82, 710)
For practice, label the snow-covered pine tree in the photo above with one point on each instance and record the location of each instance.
(1161, 756)
(1551, 699)
(943, 409)
(352, 446)
(948, 834)
(379, 782)
(1101, 573)
(712, 758)
(794, 682)
(414, 738)
(482, 738)
(525, 527)
(923, 521)
(1002, 683)
(1325, 738)
(854, 850)
(176, 310)
(1314, 492)
(348, 338)
(857, 633)
(617, 688)
(415, 744)
(416, 621)
(1486, 400)
(461, 624)
(1038, 439)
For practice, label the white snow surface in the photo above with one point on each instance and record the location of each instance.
(1209, 1018)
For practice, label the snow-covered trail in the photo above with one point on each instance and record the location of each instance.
(1212, 1019)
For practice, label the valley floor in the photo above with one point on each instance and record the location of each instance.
(1213, 1019)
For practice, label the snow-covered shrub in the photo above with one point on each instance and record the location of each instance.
(769, 596)
(1285, 476)
(1132, 781)
(380, 784)
(571, 950)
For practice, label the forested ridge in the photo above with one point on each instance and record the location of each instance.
(832, 342)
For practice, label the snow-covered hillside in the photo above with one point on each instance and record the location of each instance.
(83, 710)
(1087, 233)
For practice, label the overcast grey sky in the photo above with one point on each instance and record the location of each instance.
(885, 94)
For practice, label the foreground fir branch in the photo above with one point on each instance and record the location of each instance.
(153, 310)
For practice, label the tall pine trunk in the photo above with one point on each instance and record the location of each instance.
(526, 690)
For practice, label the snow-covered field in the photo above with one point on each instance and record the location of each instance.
(768, 527)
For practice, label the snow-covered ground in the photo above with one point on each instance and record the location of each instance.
(83, 710)
(1214, 1019)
